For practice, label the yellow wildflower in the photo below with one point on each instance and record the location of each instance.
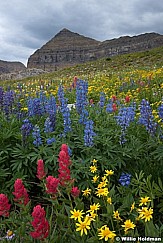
(146, 213)
(93, 168)
(94, 161)
(109, 200)
(93, 215)
(116, 215)
(144, 200)
(132, 207)
(95, 178)
(24, 109)
(76, 214)
(104, 178)
(128, 224)
(86, 192)
(105, 233)
(102, 192)
(102, 184)
(83, 226)
(109, 172)
(94, 207)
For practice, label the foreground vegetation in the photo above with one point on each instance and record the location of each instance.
(81, 152)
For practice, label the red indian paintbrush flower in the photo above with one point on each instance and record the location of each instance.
(20, 193)
(4, 205)
(62, 156)
(64, 163)
(114, 98)
(75, 191)
(52, 185)
(39, 223)
(40, 169)
(114, 107)
(127, 99)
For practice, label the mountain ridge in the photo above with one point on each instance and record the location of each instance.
(68, 48)
(11, 66)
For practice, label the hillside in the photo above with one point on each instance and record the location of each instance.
(9, 67)
(142, 60)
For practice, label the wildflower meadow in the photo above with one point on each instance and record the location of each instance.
(81, 155)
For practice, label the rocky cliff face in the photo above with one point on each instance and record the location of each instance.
(68, 48)
(65, 49)
(9, 67)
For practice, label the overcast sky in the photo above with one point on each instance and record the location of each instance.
(25, 25)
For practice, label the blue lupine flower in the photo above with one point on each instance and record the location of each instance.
(18, 111)
(50, 105)
(125, 116)
(64, 110)
(49, 141)
(37, 106)
(81, 100)
(89, 133)
(61, 98)
(146, 118)
(66, 120)
(81, 95)
(8, 100)
(160, 111)
(109, 107)
(125, 179)
(83, 116)
(52, 118)
(48, 126)
(25, 130)
(1, 97)
(36, 135)
(102, 99)
(43, 100)
(51, 110)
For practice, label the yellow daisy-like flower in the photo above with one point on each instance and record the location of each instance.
(102, 192)
(86, 192)
(105, 233)
(128, 224)
(93, 168)
(83, 226)
(102, 184)
(109, 172)
(144, 201)
(104, 178)
(76, 214)
(132, 207)
(109, 200)
(94, 207)
(116, 215)
(146, 213)
(94, 161)
(95, 178)
(141, 211)
(24, 109)
(93, 215)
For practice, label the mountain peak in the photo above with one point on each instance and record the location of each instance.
(65, 32)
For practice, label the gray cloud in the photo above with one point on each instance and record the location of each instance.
(26, 25)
